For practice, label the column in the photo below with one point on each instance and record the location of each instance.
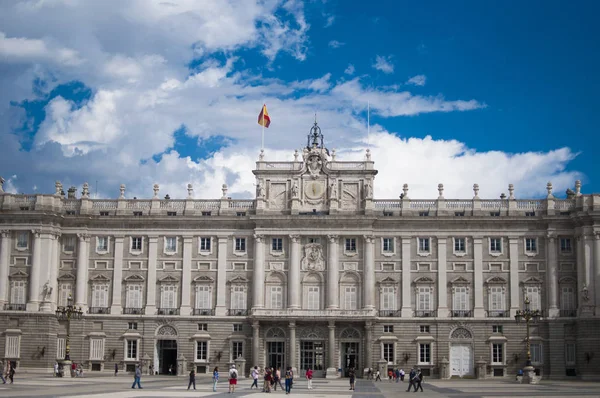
(368, 344)
(117, 288)
(292, 360)
(406, 302)
(53, 271)
(333, 273)
(552, 276)
(4, 264)
(151, 282)
(294, 274)
(221, 309)
(369, 277)
(186, 275)
(255, 343)
(33, 301)
(332, 372)
(258, 281)
(442, 281)
(82, 272)
(513, 252)
(580, 274)
(596, 270)
(588, 243)
(478, 310)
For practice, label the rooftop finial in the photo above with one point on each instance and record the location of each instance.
(315, 137)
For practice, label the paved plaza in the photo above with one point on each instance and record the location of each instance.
(28, 385)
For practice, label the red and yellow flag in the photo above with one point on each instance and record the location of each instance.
(264, 119)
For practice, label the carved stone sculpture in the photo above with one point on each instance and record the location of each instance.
(476, 191)
(333, 192)
(260, 190)
(190, 189)
(122, 189)
(368, 189)
(314, 164)
(2, 180)
(295, 190)
(46, 290)
(313, 258)
(85, 192)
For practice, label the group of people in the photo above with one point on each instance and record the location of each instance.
(415, 377)
(272, 377)
(7, 371)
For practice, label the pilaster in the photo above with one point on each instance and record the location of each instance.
(33, 300)
(478, 310)
(442, 311)
(369, 277)
(82, 271)
(406, 302)
(332, 372)
(117, 288)
(258, 280)
(292, 361)
(294, 274)
(513, 252)
(255, 343)
(5, 245)
(368, 344)
(333, 273)
(186, 275)
(53, 270)
(151, 283)
(221, 309)
(552, 276)
(597, 271)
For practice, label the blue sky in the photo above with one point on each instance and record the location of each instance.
(155, 92)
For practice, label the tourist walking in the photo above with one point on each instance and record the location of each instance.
(2, 372)
(267, 380)
(137, 377)
(233, 375)
(215, 378)
(418, 380)
(377, 376)
(192, 379)
(254, 375)
(397, 371)
(352, 375)
(278, 379)
(402, 374)
(116, 369)
(411, 379)
(11, 372)
(289, 379)
(55, 369)
(309, 376)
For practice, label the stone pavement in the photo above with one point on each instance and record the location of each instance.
(105, 386)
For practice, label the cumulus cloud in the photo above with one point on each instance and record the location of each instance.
(384, 64)
(335, 44)
(25, 50)
(349, 70)
(418, 80)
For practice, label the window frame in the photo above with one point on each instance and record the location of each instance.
(240, 245)
(424, 353)
(495, 252)
(456, 241)
(388, 352)
(350, 246)
(530, 246)
(132, 345)
(563, 249)
(201, 347)
(205, 245)
(277, 248)
(27, 239)
(424, 246)
(66, 239)
(167, 245)
(494, 351)
(103, 249)
(390, 242)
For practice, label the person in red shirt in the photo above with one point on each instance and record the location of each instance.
(309, 376)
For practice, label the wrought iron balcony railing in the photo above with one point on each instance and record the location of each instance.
(204, 311)
(568, 313)
(133, 311)
(168, 311)
(498, 314)
(237, 312)
(425, 313)
(99, 310)
(461, 313)
(15, 307)
(390, 313)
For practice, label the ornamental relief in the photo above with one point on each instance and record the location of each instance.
(313, 257)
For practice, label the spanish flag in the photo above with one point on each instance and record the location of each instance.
(264, 119)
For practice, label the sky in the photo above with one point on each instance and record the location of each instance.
(141, 92)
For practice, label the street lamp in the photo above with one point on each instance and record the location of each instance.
(527, 315)
(67, 313)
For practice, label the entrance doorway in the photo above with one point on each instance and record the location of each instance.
(276, 354)
(167, 356)
(311, 356)
(461, 360)
(350, 357)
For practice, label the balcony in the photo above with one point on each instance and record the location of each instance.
(237, 312)
(299, 313)
(390, 313)
(425, 314)
(461, 313)
(133, 311)
(498, 314)
(204, 311)
(568, 313)
(15, 307)
(99, 310)
(167, 311)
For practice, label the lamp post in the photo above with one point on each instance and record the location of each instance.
(67, 313)
(528, 315)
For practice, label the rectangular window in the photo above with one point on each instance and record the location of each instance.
(424, 298)
(102, 244)
(565, 245)
(206, 213)
(134, 296)
(425, 353)
(388, 352)
(350, 298)
(203, 296)
(238, 298)
(69, 244)
(495, 245)
(388, 245)
(276, 297)
(171, 244)
(132, 325)
(277, 244)
(536, 353)
(136, 244)
(12, 347)
(100, 296)
(237, 349)
(168, 297)
(424, 245)
(64, 291)
(131, 352)
(424, 329)
(567, 298)
(205, 244)
(498, 353)
(201, 350)
(496, 298)
(533, 294)
(388, 298)
(497, 329)
(350, 245)
(171, 213)
(203, 327)
(570, 357)
(240, 245)
(531, 245)
(60, 348)
(460, 299)
(238, 327)
(18, 293)
(96, 349)
(388, 328)
(314, 240)
(459, 245)
(22, 240)
(313, 298)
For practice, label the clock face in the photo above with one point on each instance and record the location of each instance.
(314, 190)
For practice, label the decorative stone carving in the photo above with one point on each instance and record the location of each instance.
(549, 189)
(333, 154)
(461, 333)
(350, 333)
(441, 191)
(259, 238)
(58, 186)
(275, 333)
(368, 155)
(511, 191)
(405, 191)
(5, 233)
(85, 192)
(295, 238)
(314, 164)
(224, 190)
(122, 190)
(2, 180)
(368, 189)
(585, 295)
(47, 290)
(312, 333)
(476, 191)
(295, 189)
(578, 188)
(333, 238)
(333, 192)
(156, 188)
(313, 258)
(296, 155)
(190, 190)
(166, 330)
(260, 189)
(261, 155)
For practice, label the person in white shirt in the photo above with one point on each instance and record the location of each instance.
(233, 375)
(55, 369)
(254, 375)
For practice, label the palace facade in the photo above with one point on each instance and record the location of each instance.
(314, 272)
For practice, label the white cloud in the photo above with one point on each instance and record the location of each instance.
(330, 20)
(335, 44)
(24, 50)
(349, 70)
(384, 64)
(418, 80)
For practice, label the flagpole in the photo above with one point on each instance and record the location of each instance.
(262, 140)
(368, 124)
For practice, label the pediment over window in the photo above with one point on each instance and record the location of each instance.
(567, 280)
(20, 274)
(100, 278)
(424, 280)
(460, 281)
(134, 278)
(497, 280)
(238, 280)
(67, 277)
(388, 281)
(350, 277)
(312, 277)
(169, 279)
(203, 279)
(276, 277)
(532, 281)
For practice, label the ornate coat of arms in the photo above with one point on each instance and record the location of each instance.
(313, 257)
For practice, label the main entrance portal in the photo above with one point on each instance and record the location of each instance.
(350, 356)
(311, 356)
(167, 356)
(461, 360)
(276, 354)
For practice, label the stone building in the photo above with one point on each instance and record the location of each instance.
(314, 272)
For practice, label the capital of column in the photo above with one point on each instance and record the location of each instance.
(83, 237)
(597, 235)
(255, 325)
(187, 239)
(295, 238)
(369, 238)
(368, 325)
(331, 325)
(222, 239)
(119, 238)
(152, 239)
(333, 238)
(4, 233)
(259, 238)
(551, 237)
(292, 325)
(36, 233)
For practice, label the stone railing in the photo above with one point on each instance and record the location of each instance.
(104, 204)
(302, 313)
(387, 204)
(241, 204)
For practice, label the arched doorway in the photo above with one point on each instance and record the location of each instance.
(275, 345)
(461, 353)
(165, 359)
(350, 350)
